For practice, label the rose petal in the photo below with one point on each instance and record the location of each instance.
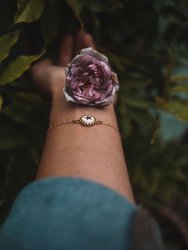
(93, 53)
(89, 79)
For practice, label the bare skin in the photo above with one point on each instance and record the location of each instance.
(93, 153)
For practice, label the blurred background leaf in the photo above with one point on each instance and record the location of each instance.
(16, 68)
(6, 42)
(28, 10)
(147, 43)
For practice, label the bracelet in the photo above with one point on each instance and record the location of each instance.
(86, 121)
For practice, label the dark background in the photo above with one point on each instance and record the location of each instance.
(147, 44)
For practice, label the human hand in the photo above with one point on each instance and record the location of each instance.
(50, 78)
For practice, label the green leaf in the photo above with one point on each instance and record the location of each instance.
(178, 89)
(21, 5)
(6, 42)
(126, 126)
(178, 78)
(75, 6)
(51, 19)
(29, 97)
(94, 5)
(120, 62)
(174, 106)
(12, 136)
(137, 102)
(29, 11)
(143, 119)
(11, 142)
(1, 102)
(17, 112)
(24, 108)
(171, 62)
(16, 68)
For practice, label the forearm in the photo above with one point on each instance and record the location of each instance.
(93, 153)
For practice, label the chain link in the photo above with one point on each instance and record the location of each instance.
(111, 126)
(57, 124)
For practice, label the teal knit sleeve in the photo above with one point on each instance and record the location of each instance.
(68, 214)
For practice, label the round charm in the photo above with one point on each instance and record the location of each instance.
(88, 120)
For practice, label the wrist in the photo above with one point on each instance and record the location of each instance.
(63, 110)
(58, 98)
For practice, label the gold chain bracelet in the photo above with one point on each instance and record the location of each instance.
(86, 121)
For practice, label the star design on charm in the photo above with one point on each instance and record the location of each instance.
(88, 120)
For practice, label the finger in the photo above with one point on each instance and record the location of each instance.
(41, 64)
(88, 41)
(66, 50)
(83, 40)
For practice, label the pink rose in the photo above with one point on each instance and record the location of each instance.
(89, 79)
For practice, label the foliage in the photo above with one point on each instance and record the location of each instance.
(146, 42)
